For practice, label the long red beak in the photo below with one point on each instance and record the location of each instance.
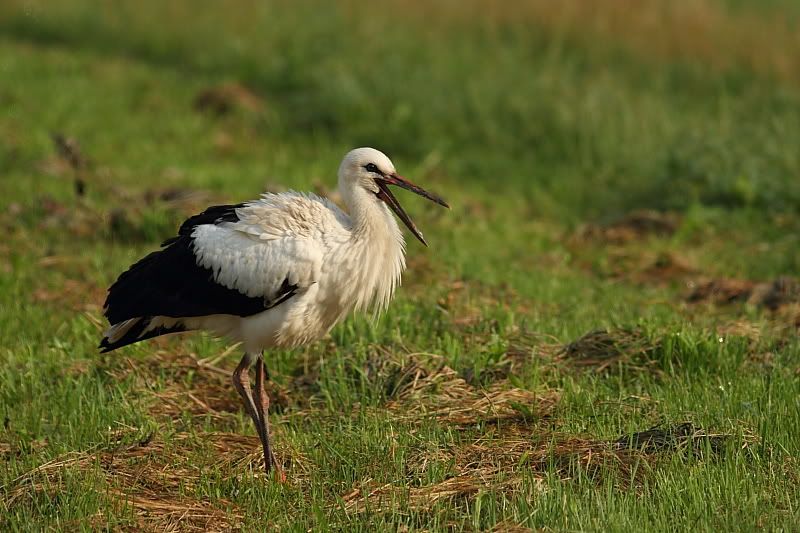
(386, 195)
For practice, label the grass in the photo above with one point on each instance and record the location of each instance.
(624, 194)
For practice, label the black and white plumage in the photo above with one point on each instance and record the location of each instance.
(280, 271)
(167, 291)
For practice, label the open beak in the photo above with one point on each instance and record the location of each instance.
(386, 195)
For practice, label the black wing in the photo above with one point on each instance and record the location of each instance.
(170, 283)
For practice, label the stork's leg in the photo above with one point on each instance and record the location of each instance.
(262, 408)
(241, 381)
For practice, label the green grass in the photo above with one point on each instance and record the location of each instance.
(534, 128)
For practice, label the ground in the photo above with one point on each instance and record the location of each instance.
(601, 336)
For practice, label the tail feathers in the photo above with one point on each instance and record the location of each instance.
(138, 329)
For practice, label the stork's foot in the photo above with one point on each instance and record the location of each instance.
(276, 470)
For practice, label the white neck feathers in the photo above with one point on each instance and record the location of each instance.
(376, 252)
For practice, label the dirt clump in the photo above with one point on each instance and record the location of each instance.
(228, 97)
(772, 295)
(601, 349)
(636, 225)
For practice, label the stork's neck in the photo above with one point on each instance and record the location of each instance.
(371, 219)
(376, 249)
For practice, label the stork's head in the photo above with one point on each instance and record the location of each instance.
(371, 170)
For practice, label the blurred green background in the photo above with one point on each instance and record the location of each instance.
(589, 108)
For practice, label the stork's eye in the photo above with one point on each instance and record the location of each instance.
(371, 167)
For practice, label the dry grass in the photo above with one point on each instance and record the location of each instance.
(421, 386)
(515, 448)
(155, 481)
(188, 385)
(158, 482)
(602, 349)
(740, 328)
(175, 382)
(449, 399)
(679, 437)
(495, 463)
(790, 316)
(500, 462)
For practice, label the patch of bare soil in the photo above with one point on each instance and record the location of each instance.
(75, 294)
(790, 315)
(625, 255)
(740, 328)
(228, 97)
(636, 225)
(772, 295)
(651, 268)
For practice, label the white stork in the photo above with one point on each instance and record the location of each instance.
(280, 271)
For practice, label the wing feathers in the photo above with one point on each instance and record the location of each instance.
(171, 283)
(138, 329)
(217, 264)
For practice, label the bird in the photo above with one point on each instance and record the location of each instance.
(277, 272)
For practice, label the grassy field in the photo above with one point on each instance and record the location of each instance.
(622, 254)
